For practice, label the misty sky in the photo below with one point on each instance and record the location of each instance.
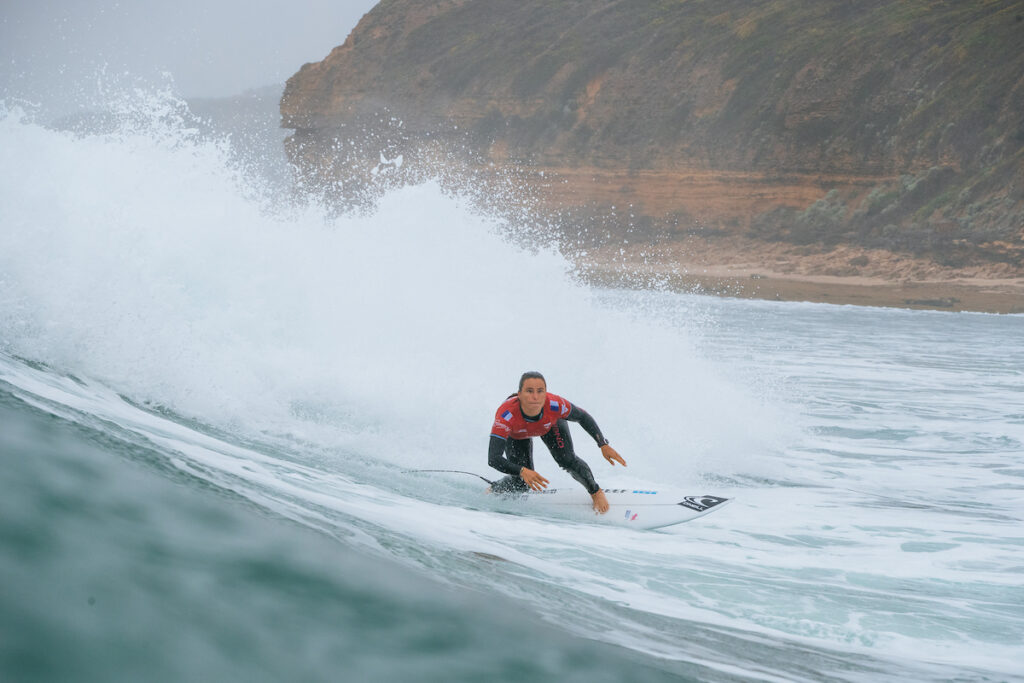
(50, 49)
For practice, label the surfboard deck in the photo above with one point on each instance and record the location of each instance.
(636, 508)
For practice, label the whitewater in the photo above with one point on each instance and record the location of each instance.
(212, 390)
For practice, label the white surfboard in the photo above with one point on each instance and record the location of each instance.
(637, 508)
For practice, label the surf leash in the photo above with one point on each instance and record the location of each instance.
(472, 474)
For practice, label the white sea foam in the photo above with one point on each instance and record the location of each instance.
(146, 259)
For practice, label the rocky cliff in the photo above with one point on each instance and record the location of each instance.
(893, 124)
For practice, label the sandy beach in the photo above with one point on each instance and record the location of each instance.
(736, 267)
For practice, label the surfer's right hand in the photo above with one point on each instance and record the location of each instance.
(532, 479)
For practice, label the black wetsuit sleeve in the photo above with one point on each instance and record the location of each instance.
(584, 419)
(496, 457)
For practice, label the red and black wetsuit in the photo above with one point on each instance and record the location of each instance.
(511, 447)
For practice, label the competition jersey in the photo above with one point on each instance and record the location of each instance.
(509, 422)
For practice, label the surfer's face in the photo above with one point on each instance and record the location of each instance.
(532, 396)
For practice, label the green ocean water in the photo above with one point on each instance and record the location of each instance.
(117, 568)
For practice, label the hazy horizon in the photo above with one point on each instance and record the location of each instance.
(56, 54)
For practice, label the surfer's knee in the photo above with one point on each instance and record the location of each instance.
(567, 460)
(509, 484)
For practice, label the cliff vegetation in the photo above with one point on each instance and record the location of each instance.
(895, 124)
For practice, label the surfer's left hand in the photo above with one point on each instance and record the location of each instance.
(612, 456)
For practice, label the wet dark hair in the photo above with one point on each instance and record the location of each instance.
(532, 374)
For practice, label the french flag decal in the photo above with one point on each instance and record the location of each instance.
(507, 415)
(630, 518)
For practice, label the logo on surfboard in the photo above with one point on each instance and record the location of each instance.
(702, 503)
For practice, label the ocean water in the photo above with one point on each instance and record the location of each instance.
(211, 393)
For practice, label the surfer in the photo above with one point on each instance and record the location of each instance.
(534, 412)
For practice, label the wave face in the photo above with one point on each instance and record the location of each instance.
(194, 332)
(147, 260)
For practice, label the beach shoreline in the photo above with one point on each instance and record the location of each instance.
(747, 269)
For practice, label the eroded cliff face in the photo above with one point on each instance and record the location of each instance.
(896, 124)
